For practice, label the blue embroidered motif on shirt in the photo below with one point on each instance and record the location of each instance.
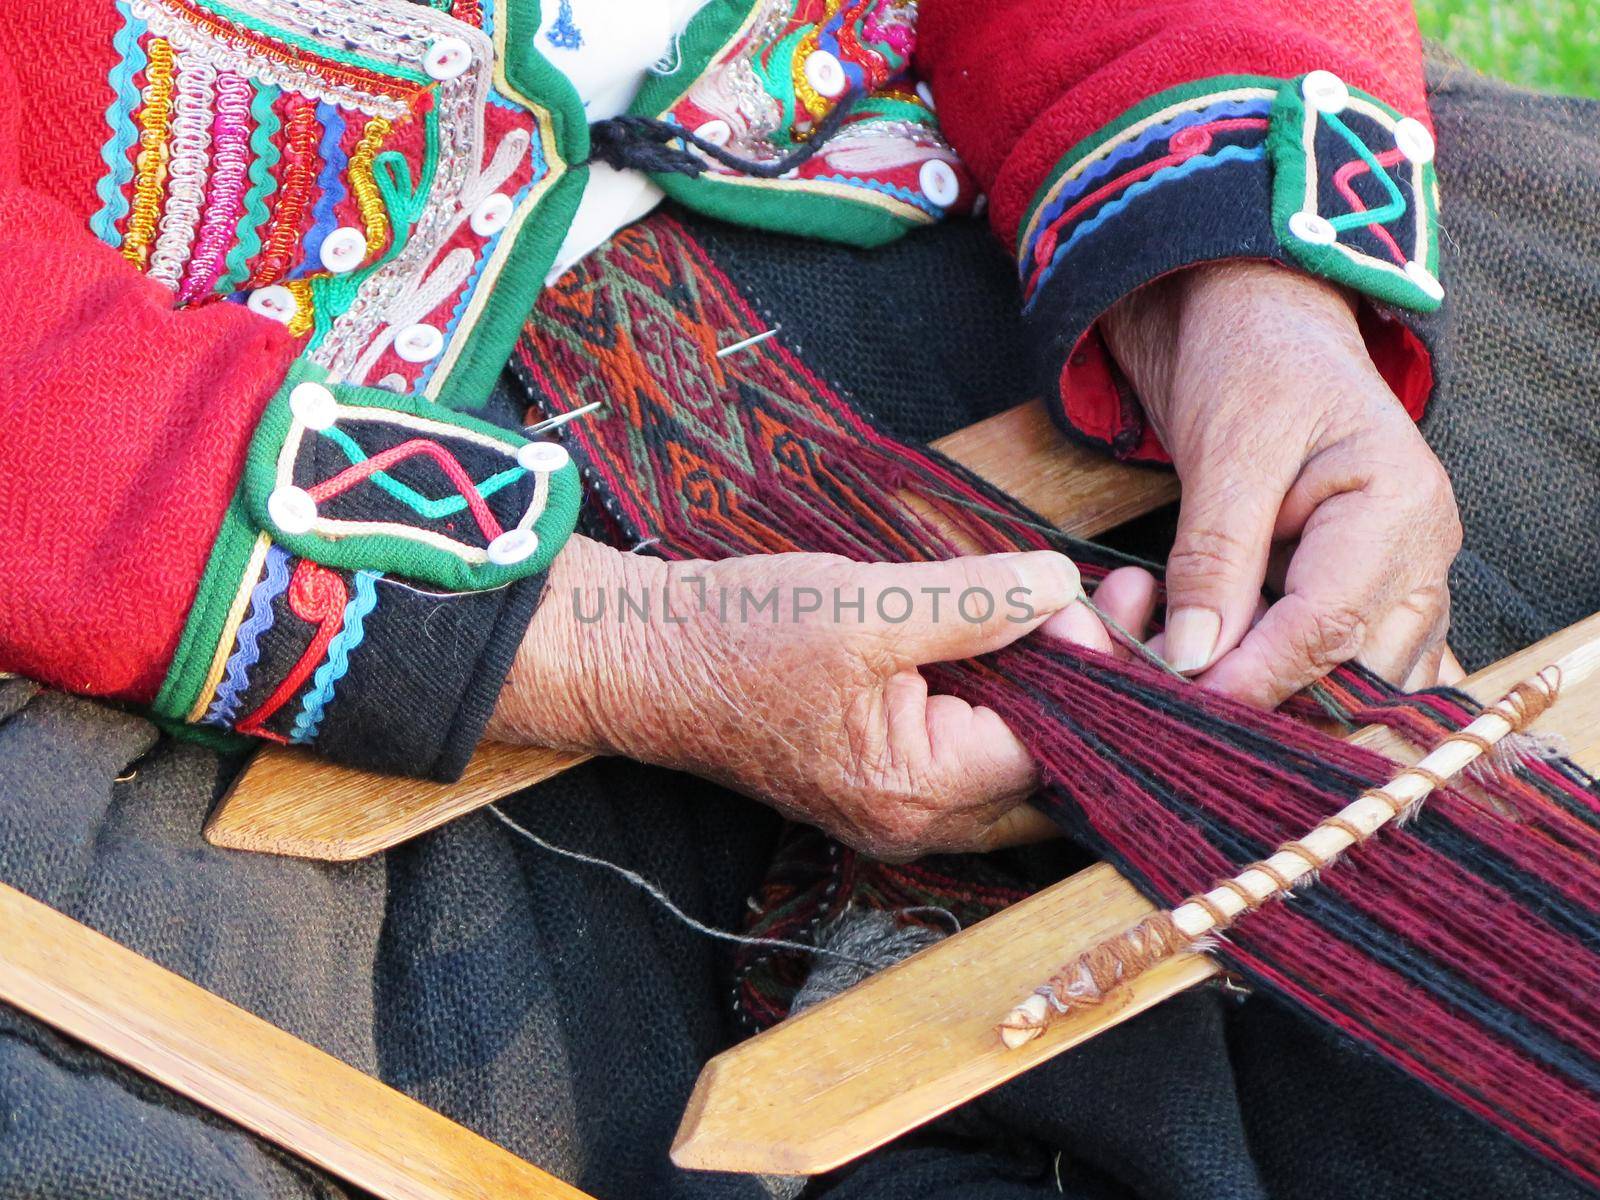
(565, 34)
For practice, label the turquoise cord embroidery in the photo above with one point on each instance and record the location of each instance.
(432, 509)
(1377, 216)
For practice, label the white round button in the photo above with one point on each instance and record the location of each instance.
(939, 182)
(925, 93)
(275, 301)
(292, 510)
(716, 131)
(1413, 140)
(394, 382)
(419, 343)
(343, 249)
(492, 214)
(542, 456)
(447, 58)
(1325, 91)
(313, 405)
(1313, 227)
(512, 546)
(824, 72)
(1424, 279)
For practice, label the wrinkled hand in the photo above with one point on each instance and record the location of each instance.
(819, 711)
(1299, 468)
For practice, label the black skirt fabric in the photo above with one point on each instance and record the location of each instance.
(559, 1012)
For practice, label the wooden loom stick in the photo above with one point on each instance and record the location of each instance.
(248, 1071)
(1093, 976)
(918, 1039)
(287, 801)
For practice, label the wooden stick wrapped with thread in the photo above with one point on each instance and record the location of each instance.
(1095, 976)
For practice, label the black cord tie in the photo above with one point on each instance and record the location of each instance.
(644, 144)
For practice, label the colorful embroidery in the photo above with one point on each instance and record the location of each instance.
(1349, 222)
(303, 134)
(565, 34)
(362, 479)
(263, 183)
(764, 77)
(119, 116)
(150, 166)
(230, 139)
(350, 635)
(272, 584)
(1354, 193)
(1172, 136)
(373, 214)
(188, 166)
(244, 134)
(344, 488)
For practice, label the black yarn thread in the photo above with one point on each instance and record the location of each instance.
(644, 144)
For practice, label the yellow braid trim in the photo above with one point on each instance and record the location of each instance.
(150, 167)
(365, 187)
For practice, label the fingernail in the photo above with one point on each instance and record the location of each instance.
(1192, 635)
(1052, 580)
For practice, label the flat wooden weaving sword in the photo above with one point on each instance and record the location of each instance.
(250, 1072)
(919, 1038)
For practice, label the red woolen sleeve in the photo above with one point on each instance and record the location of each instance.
(186, 503)
(1120, 140)
(125, 424)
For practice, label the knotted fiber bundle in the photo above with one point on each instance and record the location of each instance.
(1464, 947)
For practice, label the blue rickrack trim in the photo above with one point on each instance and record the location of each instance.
(892, 190)
(1200, 162)
(330, 189)
(1156, 133)
(119, 116)
(247, 651)
(352, 632)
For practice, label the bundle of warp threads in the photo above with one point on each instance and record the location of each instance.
(1463, 947)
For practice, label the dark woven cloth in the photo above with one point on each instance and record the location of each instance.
(562, 1014)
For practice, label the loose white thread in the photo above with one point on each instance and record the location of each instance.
(655, 892)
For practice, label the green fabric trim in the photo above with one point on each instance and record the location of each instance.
(1286, 150)
(827, 216)
(494, 334)
(230, 555)
(391, 553)
(208, 736)
(787, 207)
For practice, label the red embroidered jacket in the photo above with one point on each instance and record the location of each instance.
(262, 260)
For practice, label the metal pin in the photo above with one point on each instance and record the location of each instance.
(561, 419)
(753, 340)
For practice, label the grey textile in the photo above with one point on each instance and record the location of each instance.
(563, 1015)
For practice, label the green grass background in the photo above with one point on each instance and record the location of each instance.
(1553, 45)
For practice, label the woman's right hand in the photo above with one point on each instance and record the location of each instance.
(793, 678)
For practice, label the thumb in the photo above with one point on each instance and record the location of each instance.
(1218, 561)
(977, 604)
